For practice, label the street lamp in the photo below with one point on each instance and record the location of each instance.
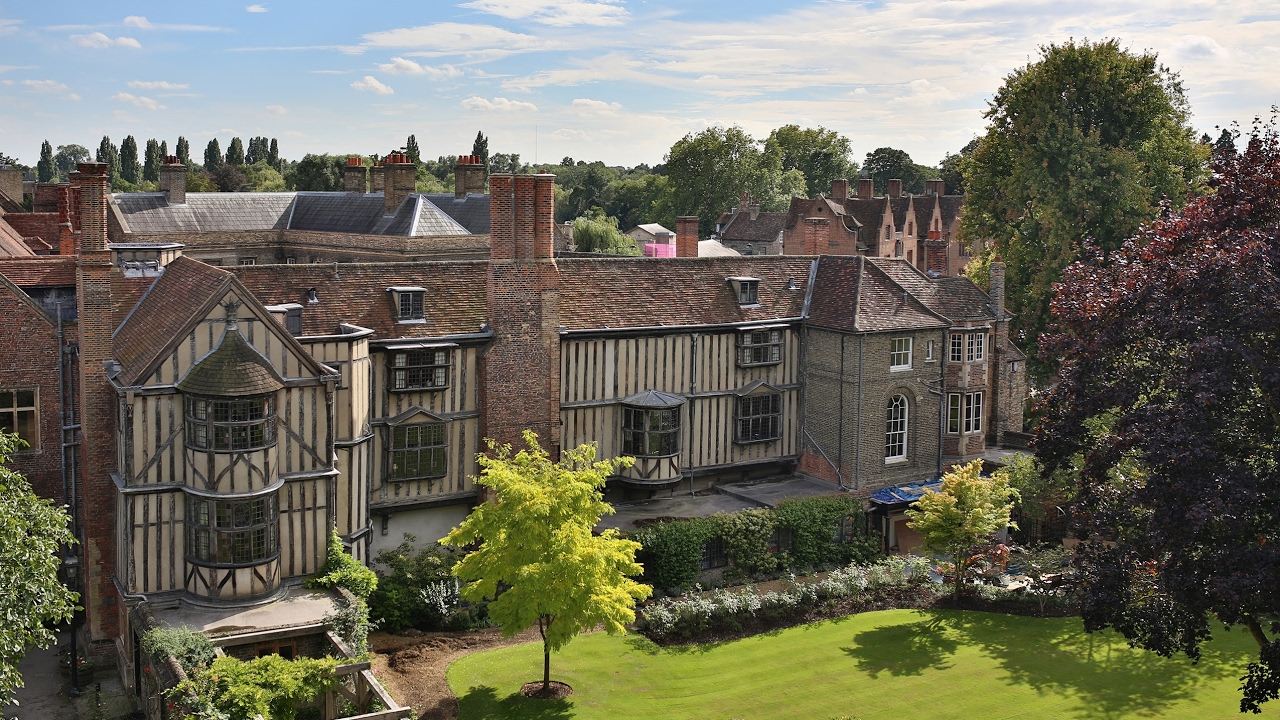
(71, 568)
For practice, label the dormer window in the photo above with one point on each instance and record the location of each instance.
(409, 302)
(760, 347)
(747, 289)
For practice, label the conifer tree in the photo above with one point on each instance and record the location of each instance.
(212, 155)
(130, 168)
(44, 168)
(109, 155)
(235, 152)
(151, 165)
(183, 150)
(411, 149)
(273, 155)
(164, 149)
(481, 147)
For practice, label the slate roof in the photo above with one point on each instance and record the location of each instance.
(854, 295)
(357, 294)
(234, 368)
(645, 292)
(417, 216)
(40, 271)
(654, 399)
(471, 212)
(184, 288)
(955, 298)
(766, 227)
(652, 228)
(713, 248)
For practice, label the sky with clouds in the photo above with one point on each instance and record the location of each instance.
(616, 80)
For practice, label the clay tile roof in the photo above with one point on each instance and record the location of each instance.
(955, 298)
(854, 295)
(11, 243)
(233, 369)
(455, 295)
(185, 288)
(46, 271)
(767, 227)
(868, 213)
(646, 292)
(951, 207)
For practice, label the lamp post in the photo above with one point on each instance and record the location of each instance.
(71, 566)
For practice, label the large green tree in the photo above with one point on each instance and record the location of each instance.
(212, 155)
(536, 557)
(33, 534)
(68, 157)
(151, 166)
(130, 168)
(109, 155)
(708, 171)
(1083, 143)
(183, 150)
(235, 152)
(822, 155)
(45, 169)
(886, 163)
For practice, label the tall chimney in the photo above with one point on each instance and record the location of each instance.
(866, 188)
(817, 236)
(11, 182)
(377, 174)
(995, 286)
(687, 236)
(895, 188)
(544, 215)
(468, 176)
(840, 190)
(935, 187)
(66, 232)
(98, 403)
(354, 176)
(399, 180)
(173, 180)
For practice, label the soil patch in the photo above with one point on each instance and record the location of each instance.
(556, 690)
(412, 666)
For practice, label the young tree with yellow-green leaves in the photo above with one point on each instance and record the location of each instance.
(536, 559)
(966, 510)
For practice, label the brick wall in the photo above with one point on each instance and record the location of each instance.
(43, 225)
(99, 405)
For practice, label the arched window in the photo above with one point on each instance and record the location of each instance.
(895, 429)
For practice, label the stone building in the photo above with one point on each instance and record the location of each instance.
(212, 424)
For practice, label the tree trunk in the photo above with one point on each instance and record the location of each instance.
(546, 656)
(1255, 629)
(959, 575)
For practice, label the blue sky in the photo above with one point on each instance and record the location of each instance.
(616, 80)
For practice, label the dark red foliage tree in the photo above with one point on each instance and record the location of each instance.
(1169, 408)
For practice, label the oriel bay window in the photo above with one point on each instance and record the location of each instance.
(418, 452)
(228, 424)
(760, 347)
(964, 412)
(233, 531)
(419, 368)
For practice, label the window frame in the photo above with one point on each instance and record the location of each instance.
(748, 292)
(415, 300)
(645, 432)
(973, 413)
(438, 452)
(714, 555)
(205, 432)
(211, 542)
(755, 424)
(436, 369)
(894, 351)
(16, 410)
(771, 347)
(975, 347)
(896, 428)
(957, 347)
(961, 409)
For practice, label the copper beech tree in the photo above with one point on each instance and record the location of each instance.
(1168, 406)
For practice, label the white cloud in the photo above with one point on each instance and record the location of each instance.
(45, 86)
(560, 13)
(255, 8)
(569, 135)
(140, 101)
(8, 26)
(276, 109)
(584, 106)
(71, 96)
(403, 66)
(456, 39)
(498, 104)
(157, 85)
(99, 40)
(140, 22)
(370, 83)
(137, 21)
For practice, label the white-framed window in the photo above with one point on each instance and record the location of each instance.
(895, 429)
(976, 346)
(964, 413)
(20, 413)
(418, 452)
(425, 369)
(760, 347)
(928, 351)
(900, 354)
(957, 347)
(749, 292)
(248, 261)
(759, 418)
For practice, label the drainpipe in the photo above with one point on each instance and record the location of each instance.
(840, 410)
(857, 470)
(942, 393)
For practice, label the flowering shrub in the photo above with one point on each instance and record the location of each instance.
(725, 609)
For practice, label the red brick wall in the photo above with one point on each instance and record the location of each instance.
(817, 236)
(43, 225)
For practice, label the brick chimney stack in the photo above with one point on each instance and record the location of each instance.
(520, 378)
(399, 179)
(840, 190)
(687, 236)
(935, 187)
(817, 236)
(173, 180)
(66, 230)
(866, 188)
(468, 176)
(354, 176)
(376, 176)
(98, 404)
(11, 182)
(895, 188)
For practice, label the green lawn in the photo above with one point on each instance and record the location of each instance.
(896, 664)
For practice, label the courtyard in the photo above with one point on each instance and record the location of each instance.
(890, 664)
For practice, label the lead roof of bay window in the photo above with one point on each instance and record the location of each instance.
(415, 414)
(233, 369)
(653, 399)
(757, 387)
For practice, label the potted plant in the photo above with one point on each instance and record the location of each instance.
(84, 664)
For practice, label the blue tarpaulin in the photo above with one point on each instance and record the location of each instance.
(904, 493)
